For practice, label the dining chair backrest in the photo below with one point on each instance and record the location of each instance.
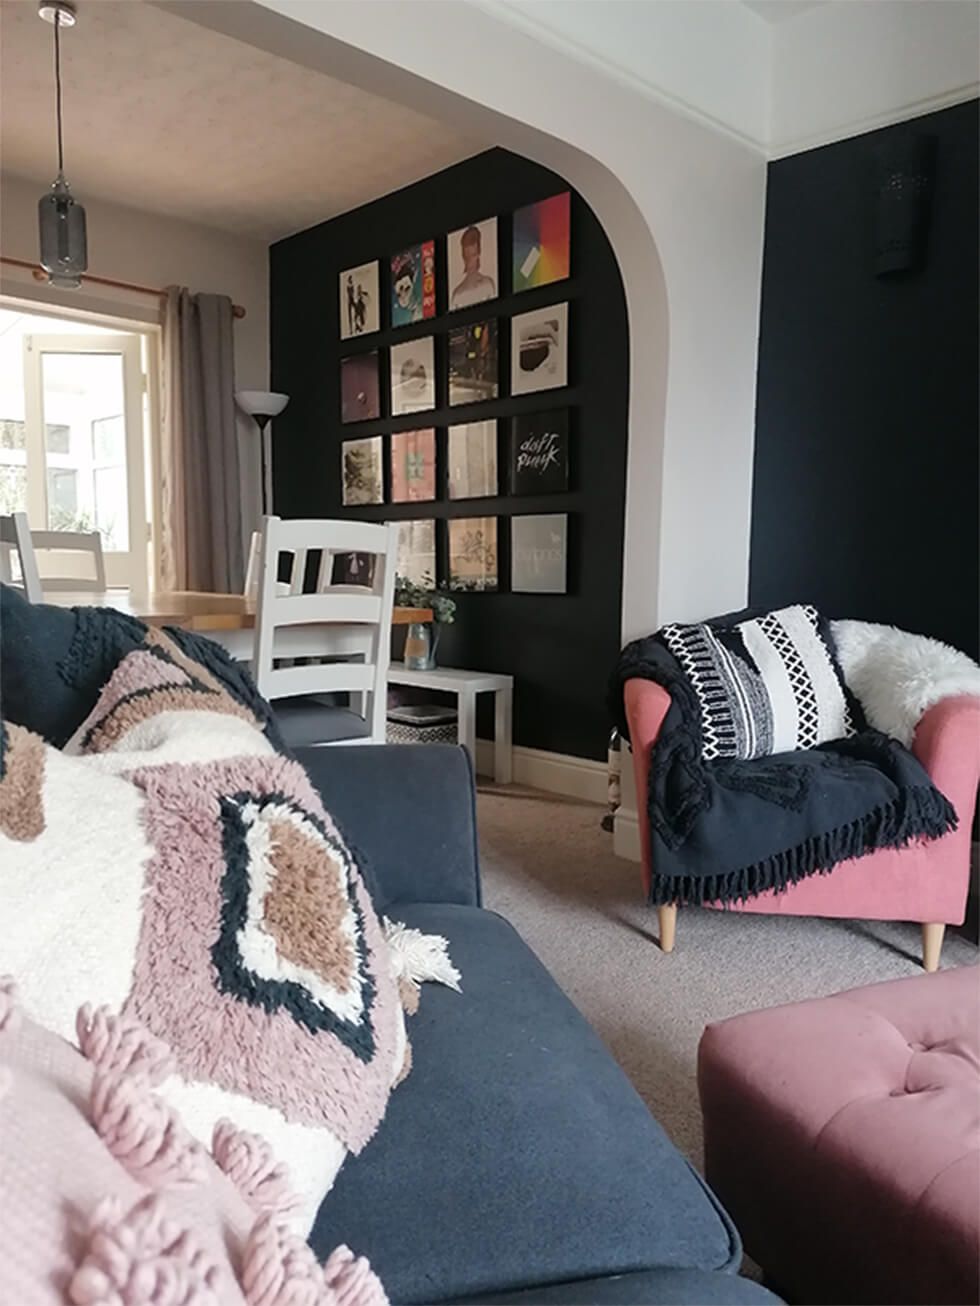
(332, 620)
(253, 569)
(57, 572)
(253, 565)
(15, 538)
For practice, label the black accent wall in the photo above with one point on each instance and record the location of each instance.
(866, 457)
(560, 648)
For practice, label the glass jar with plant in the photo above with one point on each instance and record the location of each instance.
(422, 638)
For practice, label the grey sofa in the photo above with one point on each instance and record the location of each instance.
(516, 1163)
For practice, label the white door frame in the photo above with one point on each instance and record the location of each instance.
(130, 568)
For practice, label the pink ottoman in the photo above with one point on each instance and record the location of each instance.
(843, 1135)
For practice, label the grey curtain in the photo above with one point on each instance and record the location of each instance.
(201, 530)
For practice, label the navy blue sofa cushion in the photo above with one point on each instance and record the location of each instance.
(409, 811)
(54, 662)
(34, 640)
(516, 1153)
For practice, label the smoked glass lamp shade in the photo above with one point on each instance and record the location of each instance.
(64, 246)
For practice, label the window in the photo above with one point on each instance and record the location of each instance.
(109, 439)
(13, 435)
(63, 501)
(13, 489)
(73, 430)
(13, 466)
(57, 439)
(110, 507)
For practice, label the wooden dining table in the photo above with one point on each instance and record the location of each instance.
(191, 609)
(228, 619)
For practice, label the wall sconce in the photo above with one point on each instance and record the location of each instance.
(904, 167)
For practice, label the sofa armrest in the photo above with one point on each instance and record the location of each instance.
(947, 743)
(661, 1287)
(408, 812)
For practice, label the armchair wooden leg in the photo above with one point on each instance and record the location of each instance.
(668, 926)
(932, 944)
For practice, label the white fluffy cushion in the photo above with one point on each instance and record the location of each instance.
(898, 676)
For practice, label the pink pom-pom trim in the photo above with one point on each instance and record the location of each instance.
(10, 1015)
(280, 1269)
(118, 1043)
(143, 1132)
(143, 1259)
(248, 1161)
(352, 1280)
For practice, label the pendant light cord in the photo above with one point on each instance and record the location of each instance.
(57, 85)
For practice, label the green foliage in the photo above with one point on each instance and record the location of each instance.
(69, 519)
(409, 594)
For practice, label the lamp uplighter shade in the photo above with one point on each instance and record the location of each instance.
(261, 403)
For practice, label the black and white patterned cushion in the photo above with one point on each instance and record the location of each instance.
(768, 685)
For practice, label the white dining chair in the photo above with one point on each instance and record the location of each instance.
(42, 556)
(348, 624)
(253, 565)
(297, 570)
(15, 541)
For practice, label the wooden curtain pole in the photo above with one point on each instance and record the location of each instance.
(40, 275)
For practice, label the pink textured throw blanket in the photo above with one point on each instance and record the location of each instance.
(171, 865)
(102, 1206)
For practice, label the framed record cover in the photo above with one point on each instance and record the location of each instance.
(539, 453)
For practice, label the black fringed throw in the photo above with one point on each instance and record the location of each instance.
(725, 829)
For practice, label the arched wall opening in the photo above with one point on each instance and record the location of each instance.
(682, 205)
(443, 457)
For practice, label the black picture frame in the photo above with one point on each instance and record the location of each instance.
(539, 453)
(474, 363)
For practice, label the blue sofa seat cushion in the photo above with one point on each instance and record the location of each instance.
(516, 1153)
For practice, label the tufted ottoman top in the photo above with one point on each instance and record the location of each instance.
(859, 1115)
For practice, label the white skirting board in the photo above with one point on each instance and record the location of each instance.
(626, 836)
(556, 773)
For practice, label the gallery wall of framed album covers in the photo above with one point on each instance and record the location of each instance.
(530, 456)
(469, 357)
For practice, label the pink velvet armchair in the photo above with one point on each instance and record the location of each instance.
(925, 882)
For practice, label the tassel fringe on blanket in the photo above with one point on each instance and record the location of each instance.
(925, 809)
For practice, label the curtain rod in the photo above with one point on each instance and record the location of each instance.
(40, 275)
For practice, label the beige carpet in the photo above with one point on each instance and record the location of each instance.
(549, 869)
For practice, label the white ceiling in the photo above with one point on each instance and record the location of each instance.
(776, 11)
(779, 75)
(164, 115)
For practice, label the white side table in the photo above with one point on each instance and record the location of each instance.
(466, 685)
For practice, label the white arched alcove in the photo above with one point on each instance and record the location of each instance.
(683, 207)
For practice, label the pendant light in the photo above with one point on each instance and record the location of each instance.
(61, 220)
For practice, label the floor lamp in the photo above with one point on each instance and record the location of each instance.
(262, 406)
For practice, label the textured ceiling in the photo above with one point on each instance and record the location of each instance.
(164, 115)
(775, 11)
